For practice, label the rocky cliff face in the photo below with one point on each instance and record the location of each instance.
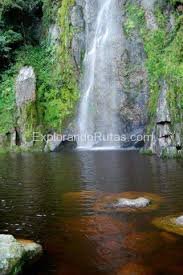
(151, 96)
(166, 136)
(149, 74)
(26, 115)
(145, 107)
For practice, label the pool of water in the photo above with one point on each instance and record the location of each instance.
(50, 198)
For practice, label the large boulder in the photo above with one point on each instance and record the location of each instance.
(26, 108)
(25, 86)
(137, 203)
(15, 254)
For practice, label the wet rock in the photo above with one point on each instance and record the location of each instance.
(53, 142)
(137, 203)
(78, 48)
(77, 17)
(172, 224)
(78, 41)
(127, 202)
(14, 254)
(134, 81)
(58, 142)
(166, 137)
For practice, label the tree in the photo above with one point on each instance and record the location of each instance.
(20, 22)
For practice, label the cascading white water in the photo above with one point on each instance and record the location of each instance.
(100, 86)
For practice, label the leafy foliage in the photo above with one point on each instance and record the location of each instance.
(56, 76)
(164, 56)
(7, 106)
(19, 25)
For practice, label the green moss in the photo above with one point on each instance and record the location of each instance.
(147, 152)
(69, 90)
(164, 57)
(29, 119)
(56, 75)
(7, 102)
(135, 18)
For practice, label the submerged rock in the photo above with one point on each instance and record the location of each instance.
(166, 138)
(137, 203)
(172, 224)
(101, 235)
(179, 221)
(14, 254)
(143, 242)
(127, 202)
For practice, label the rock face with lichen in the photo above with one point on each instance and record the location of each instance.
(25, 86)
(14, 254)
(26, 108)
(165, 141)
(147, 24)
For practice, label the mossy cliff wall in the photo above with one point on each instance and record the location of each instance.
(57, 75)
(150, 71)
(158, 25)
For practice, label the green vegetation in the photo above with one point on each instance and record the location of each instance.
(19, 25)
(57, 91)
(164, 50)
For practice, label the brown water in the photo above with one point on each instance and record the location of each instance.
(36, 203)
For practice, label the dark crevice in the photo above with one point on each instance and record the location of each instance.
(17, 138)
(179, 147)
(163, 122)
(166, 136)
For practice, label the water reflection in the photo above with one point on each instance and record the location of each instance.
(46, 197)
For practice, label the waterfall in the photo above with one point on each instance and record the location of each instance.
(98, 111)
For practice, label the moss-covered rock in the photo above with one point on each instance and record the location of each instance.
(15, 254)
(172, 224)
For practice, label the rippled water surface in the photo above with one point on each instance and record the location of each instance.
(50, 198)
